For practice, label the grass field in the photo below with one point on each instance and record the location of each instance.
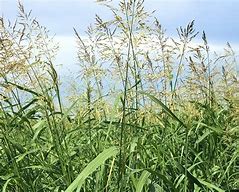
(155, 113)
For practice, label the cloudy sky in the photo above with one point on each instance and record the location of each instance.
(218, 18)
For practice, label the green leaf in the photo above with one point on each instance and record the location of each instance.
(40, 167)
(22, 156)
(4, 189)
(163, 178)
(211, 186)
(202, 137)
(38, 127)
(64, 117)
(91, 167)
(142, 180)
(165, 108)
(191, 178)
(215, 129)
(21, 88)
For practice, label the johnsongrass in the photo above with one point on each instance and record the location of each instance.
(154, 113)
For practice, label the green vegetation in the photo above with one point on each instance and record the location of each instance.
(155, 114)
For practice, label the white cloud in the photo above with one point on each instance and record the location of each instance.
(67, 55)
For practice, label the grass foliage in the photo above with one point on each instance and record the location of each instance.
(154, 113)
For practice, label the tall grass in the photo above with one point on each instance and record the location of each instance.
(156, 114)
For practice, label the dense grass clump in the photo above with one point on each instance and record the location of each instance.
(155, 114)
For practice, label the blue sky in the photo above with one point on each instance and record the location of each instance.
(219, 19)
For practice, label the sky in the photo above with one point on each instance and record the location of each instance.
(218, 18)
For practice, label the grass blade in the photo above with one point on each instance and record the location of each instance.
(164, 179)
(4, 189)
(211, 186)
(142, 181)
(164, 107)
(91, 167)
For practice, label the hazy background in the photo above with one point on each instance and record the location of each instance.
(218, 18)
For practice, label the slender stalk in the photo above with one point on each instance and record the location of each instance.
(123, 120)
